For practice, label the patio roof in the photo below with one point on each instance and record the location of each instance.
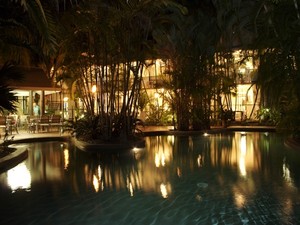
(33, 79)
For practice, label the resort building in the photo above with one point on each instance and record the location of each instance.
(38, 91)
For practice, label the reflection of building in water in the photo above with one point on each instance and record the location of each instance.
(239, 150)
(45, 163)
(147, 174)
(19, 178)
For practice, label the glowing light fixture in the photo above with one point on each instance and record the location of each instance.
(94, 88)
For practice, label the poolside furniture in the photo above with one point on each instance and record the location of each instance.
(12, 123)
(56, 121)
(32, 123)
(43, 122)
(3, 124)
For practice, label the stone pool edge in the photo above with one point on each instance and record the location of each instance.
(21, 153)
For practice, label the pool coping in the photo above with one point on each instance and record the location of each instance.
(13, 158)
(21, 153)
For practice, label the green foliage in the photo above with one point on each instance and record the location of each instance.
(159, 116)
(290, 118)
(87, 128)
(96, 128)
(268, 116)
(143, 100)
(8, 100)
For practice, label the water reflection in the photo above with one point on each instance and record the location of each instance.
(240, 163)
(19, 177)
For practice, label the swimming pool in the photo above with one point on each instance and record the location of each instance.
(229, 178)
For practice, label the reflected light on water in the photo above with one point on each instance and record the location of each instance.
(288, 206)
(130, 187)
(66, 158)
(171, 139)
(96, 183)
(164, 191)
(97, 180)
(199, 160)
(239, 200)
(19, 178)
(287, 174)
(162, 156)
(159, 159)
(242, 164)
(178, 172)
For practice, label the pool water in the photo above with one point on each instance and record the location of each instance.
(229, 178)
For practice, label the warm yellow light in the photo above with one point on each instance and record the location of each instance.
(66, 158)
(249, 65)
(242, 70)
(96, 183)
(94, 88)
(66, 99)
(164, 191)
(242, 161)
(19, 177)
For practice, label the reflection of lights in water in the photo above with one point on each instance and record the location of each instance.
(171, 139)
(164, 152)
(243, 145)
(242, 164)
(164, 192)
(288, 206)
(205, 134)
(130, 187)
(287, 174)
(96, 183)
(266, 134)
(137, 152)
(199, 160)
(198, 198)
(239, 200)
(97, 180)
(178, 172)
(66, 158)
(161, 157)
(99, 172)
(19, 177)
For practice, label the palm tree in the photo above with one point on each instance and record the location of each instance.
(27, 32)
(8, 100)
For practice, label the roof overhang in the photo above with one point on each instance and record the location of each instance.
(33, 79)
